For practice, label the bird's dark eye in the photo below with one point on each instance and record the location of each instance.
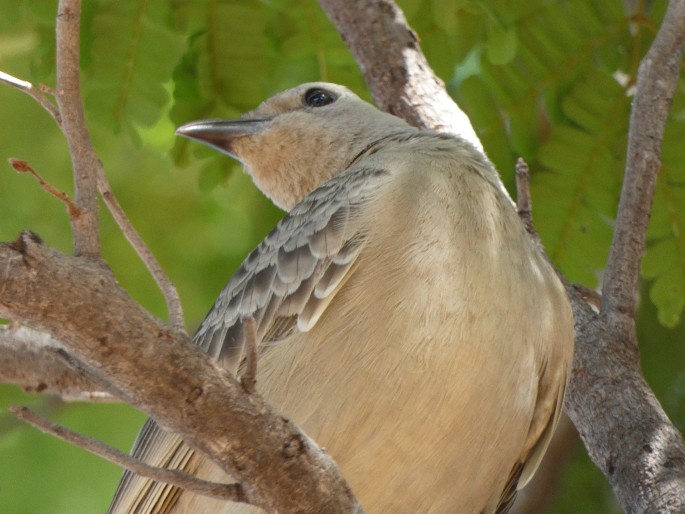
(316, 97)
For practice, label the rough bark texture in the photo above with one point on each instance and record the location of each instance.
(656, 83)
(165, 375)
(85, 161)
(626, 432)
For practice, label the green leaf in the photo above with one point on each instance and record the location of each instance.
(216, 172)
(501, 45)
(233, 54)
(668, 294)
(664, 259)
(134, 53)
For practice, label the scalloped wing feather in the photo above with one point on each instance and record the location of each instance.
(287, 282)
(285, 285)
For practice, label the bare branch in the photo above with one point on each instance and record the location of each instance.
(625, 429)
(89, 175)
(21, 166)
(173, 300)
(229, 492)
(656, 83)
(38, 96)
(636, 446)
(28, 359)
(397, 72)
(84, 159)
(169, 378)
(524, 203)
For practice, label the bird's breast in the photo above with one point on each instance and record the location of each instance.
(425, 366)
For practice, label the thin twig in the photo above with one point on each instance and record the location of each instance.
(171, 296)
(248, 378)
(34, 93)
(21, 166)
(175, 477)
(89, 175)
(657, 80)
(83, 156)
(524, 204)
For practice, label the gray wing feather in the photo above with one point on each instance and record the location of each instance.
(285, 285)
(287, 281)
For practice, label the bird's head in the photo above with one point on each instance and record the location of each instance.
(298, 139)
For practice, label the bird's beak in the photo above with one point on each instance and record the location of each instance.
(221, 134)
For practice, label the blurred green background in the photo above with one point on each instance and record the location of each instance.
(547, 80)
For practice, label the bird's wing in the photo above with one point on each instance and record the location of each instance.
(284, 285)
(287, 282)
(549, 404)
(138, 495)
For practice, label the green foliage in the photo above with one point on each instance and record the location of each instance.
(664, 260)
(141, 53)
(548, 80)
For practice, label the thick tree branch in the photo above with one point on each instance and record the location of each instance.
(160, 371)
(28, 358)
(636, 445)
(622, 424)
(84, 160)
(626, 431)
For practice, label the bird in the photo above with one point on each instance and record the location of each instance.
(406, 320)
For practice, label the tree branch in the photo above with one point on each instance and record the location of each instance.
(178, 478)
(524, 202)
(84, 160)
(625, 430)
(37, 95)
(657, 80)
(21, 166)
(608, 399)
(248, 377)
(171, 296)
(638, 449)
(89, 175)
(168, 377)
(28, 358)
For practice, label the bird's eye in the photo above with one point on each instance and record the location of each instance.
(316, 97)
